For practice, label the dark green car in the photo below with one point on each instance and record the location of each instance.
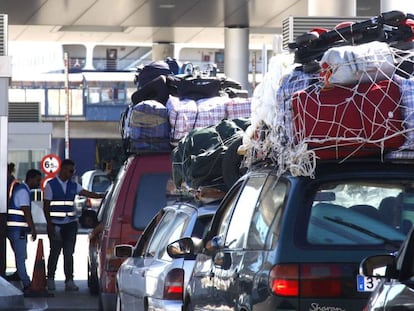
(295, 243)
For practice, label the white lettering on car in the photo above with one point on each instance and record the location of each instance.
(316, 307)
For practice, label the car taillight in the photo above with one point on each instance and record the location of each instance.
(306, 280)
(174, 285)
(284, 280)
(112, 262)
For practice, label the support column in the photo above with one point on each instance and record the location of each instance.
(398, 5)
(332, 7)
(5, 75)
(236, 54)
(162, 50)
(89, 57)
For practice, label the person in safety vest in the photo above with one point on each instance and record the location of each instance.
(20, 222)
(62, 221)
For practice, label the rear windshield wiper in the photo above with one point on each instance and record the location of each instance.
(363, 230)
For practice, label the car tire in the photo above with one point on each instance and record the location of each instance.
(188, 305)
(231, 163)
(93, 283)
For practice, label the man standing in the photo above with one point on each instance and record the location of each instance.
(20, 222)
(62, 222)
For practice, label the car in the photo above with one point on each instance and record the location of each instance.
(394, 272)
(139, 192)
(93, 281)
(289, 242)
(150, 279)
(96, 181)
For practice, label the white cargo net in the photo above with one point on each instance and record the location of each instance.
(359, 104)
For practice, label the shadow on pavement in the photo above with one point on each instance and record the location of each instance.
(62, 300)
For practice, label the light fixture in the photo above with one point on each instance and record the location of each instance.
(92, 28)
(167, 6)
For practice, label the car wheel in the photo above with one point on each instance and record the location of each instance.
(188, 305)
(93, 283)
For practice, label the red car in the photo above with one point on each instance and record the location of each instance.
(139, 192)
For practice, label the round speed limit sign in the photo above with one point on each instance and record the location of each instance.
(50, 164)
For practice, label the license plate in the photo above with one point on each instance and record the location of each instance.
(367, 283)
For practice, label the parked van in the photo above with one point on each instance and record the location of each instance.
(139, 192)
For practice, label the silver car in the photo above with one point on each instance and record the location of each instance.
(150, 279)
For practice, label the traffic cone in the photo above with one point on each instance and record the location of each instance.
(38, 286)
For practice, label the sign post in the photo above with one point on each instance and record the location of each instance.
(50, 165)
(66, 60)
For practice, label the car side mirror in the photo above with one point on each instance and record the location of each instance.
(88, 219)
(379, 266)
(186, 248)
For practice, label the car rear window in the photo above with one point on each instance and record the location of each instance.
(150, 197)
(100, 183)
(359, 213)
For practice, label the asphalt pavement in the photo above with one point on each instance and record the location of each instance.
(58, 299)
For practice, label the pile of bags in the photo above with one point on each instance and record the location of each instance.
(194, 116)
(346, 101)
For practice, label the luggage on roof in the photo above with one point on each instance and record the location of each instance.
(145, 127)
(198, 157)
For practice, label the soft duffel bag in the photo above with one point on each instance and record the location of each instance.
(339, 122)
(156, 89)
(149, 127)
(348, 65)
(198, 88)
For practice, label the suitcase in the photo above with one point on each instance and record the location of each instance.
(342, 122)
(147, 128)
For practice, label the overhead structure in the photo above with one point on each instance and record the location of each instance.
(332, 8)
(399, 5)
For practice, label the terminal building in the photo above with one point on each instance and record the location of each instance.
(51, 112)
